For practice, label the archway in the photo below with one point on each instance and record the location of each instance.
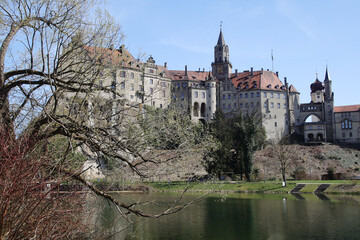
(311, 137)
(320, 137)
(202, 110)
(196, 109)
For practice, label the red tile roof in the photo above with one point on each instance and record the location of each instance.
(265, 80)
(120, 56)
(191, 75)
(348, 108)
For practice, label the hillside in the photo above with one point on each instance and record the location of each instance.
(312, 161)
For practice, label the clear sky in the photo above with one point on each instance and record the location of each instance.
(305, 36)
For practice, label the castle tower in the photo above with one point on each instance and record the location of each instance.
(329, 107)
(221, 67)
(211, 101)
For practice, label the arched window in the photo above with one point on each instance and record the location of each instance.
(196, 109)
(202, 110)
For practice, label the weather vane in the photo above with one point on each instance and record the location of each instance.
(220, 24)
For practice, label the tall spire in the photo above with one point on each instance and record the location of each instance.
(221, 40)
(327, 77)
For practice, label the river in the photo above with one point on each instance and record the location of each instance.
(239, 216)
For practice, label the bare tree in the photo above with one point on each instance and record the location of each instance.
(54, 55)
(285, 156)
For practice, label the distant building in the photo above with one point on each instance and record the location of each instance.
(347, 123)
(252, 91)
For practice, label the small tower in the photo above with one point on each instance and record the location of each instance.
(221, 67)
(317, 91)
(329, 107)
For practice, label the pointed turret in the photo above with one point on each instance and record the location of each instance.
(221, 40)
(327, 77)
(327, 83)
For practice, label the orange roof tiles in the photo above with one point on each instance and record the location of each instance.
(191, 75)
(348, 108)
(120, 56)
(265, 80)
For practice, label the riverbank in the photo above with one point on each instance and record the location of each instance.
(336, 187)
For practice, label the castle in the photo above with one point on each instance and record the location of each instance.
(252, 91)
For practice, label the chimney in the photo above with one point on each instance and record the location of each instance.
(165, 64)
(285, 81)
(252, 71)
(277, 74)
(236, 71)
(199, 69)
(185, 70)
(267, 70)
(203, 69)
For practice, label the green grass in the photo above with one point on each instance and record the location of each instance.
(265, 187)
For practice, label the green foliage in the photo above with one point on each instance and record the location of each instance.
(239, 137)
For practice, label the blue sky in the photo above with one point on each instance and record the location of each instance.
(304, 35)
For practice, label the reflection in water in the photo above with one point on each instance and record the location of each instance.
(298, 196)
(241, 217)
(322, 196)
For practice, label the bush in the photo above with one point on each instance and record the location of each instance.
(299, 174)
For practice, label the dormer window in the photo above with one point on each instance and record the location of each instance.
(269, 86)
(255, 85)
(277, 87)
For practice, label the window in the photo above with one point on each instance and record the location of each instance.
(203, 94)
(235, 105)
(241, 105)
(272, 105)
(284, 105)
(278, 105)
(275, 124)
(151, 71)
(265, 104)
(224, 88)
(343, 135)
(252, 104)
(346, 124)
(265, 95)
(224, 97)
(122, 74)
(160, 105)
(151, 90)
(182, 96)
(164, 94)
(229, 106)
(258, 104)
(229, 96)
(284, 96)
(224, 106)
(234, 95)
(240, 95)
(272, 95)
(196, 94)
(132, 96)
(246, 105)
(132, 87)
(122, 85)
(246, 95)
(228, 87)
(132, 75)
(278, 95)
(151, 81)
(252, 95)
(350, 134)
(257, 94)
